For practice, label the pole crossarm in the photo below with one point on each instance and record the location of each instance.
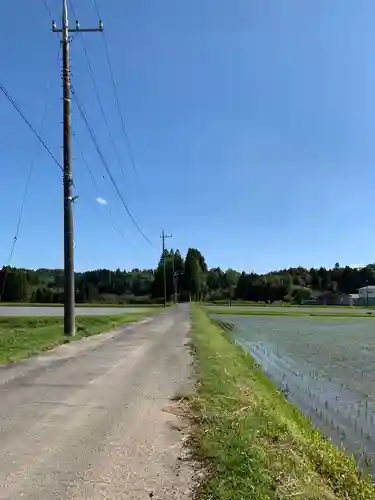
(77, 28)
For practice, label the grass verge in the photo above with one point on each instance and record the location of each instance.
(86, 304)
(21, 337)
(251, 441)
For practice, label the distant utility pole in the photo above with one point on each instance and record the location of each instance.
(174, 282)
(163, 237)
(69, 287)
(176, 274)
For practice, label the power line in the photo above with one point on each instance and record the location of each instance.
(84, 117)
(96, 7)
(87, 165)
(18, 226)
(47, 8)
(93, 137)
(98, 189)
(24, 196)
(124, 131)
(97, 93)
(17, 108)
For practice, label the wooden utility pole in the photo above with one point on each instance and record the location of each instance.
(69, 286)
(174, 282)
(163, 237)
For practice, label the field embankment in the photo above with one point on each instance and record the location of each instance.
(21, 337)
(252, 442)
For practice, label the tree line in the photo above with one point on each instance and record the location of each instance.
(187, 278)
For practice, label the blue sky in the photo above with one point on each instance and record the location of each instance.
(252, 124)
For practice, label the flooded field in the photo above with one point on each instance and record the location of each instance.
(326, 366)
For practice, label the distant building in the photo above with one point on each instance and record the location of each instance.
(367, 295)
(334, 299)
(355, 299)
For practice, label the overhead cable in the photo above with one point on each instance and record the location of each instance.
(123, 126)
(17, 108)
(98, 189)
(97, 93)
(84, 117)
(24, 196)
(47, 8)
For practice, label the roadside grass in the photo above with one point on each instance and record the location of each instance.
(279, 312)
(100, 304)
(274, 305)
(243, 303)
(251, 442)
(22, 337)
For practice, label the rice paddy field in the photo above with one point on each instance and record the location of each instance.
(324, 365)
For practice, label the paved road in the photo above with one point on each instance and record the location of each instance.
(59, 311)
(86, 420)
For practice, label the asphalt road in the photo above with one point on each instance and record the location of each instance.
(95, 419)
(59, 311)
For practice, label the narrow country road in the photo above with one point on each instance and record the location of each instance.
(95, 419)
(59, 310)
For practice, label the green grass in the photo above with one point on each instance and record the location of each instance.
(244, 303)
(100, 304)
(279, 312)
(23, 337)
(275, 305)
(252, 442)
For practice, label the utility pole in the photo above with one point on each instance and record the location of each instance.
(163, 237)
(69, 286)
(176, 274)
(174, 283)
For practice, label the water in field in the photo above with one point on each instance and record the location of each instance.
(326, 366)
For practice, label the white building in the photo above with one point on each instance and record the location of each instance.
(367, 294)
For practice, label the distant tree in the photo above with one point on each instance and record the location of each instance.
(194, 274)
(302, 294)
(173, 263)
(231, 278)
(14, 285)
(215, 278)
(193, 279)
(241, 289)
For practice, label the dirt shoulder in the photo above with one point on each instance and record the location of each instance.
(97, 418)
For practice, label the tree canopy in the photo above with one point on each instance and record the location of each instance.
(189, 277)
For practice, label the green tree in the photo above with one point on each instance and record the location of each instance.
(14, 285)
(302, 294)
(231, 278)
(172, 260)
(194, 274)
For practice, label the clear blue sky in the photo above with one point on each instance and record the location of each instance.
(251, 121)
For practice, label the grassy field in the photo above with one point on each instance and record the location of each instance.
(22, 337)
(251, 441)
